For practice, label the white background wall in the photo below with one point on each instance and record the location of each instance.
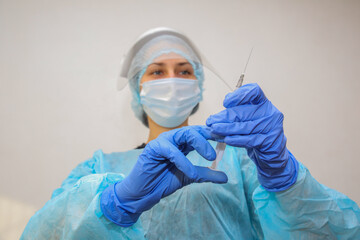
(59, 61)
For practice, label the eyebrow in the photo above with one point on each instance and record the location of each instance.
(162, 64)
(183, 63)
(159, 64)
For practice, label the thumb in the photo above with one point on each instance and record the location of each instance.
(205, 174)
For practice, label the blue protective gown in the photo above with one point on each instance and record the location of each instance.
(240, 209)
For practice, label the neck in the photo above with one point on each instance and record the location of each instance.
(156, 130)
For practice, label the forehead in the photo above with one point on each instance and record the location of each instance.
(170, 58)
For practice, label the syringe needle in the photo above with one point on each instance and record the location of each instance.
(248, 60)
(220, 147)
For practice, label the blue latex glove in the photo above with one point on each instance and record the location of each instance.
(251, 121)
(160, 170)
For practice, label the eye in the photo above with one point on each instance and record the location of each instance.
(185, 72)
(157, 72)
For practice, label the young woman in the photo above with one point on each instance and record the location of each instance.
(260, 190)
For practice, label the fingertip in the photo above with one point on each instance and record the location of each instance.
(228, 100)
(205, 131)
(221, 130)
(228, 140)
(200, 135)
(209, 121)
(224, 179)
(233, 99)
(216, 137)
(208, 175)
(211, 154)
(221, 177)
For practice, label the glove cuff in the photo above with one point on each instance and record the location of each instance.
(113, 210)
(281, 181)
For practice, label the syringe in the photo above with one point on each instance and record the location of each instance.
(220, 146)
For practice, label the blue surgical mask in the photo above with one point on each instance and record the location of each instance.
(170, 101)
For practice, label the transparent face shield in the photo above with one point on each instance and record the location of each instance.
(171, 55)
(154, 43)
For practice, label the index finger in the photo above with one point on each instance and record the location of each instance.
(196, 137)
(247, 94)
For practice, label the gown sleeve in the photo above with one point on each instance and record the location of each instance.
(74, 211)
(307, 210)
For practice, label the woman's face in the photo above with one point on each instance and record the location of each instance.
(168, 66)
